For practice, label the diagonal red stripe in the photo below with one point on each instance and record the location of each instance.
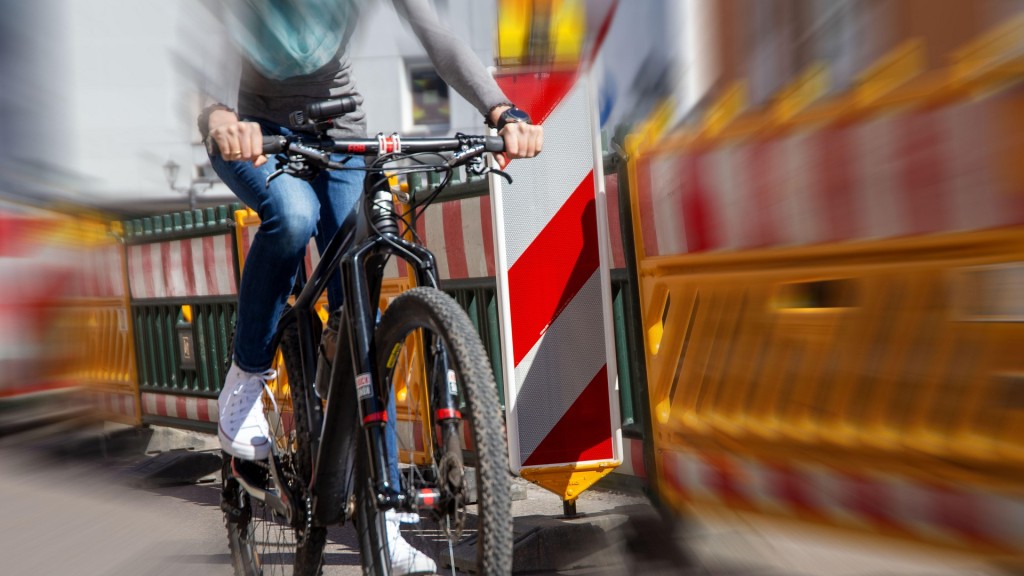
(165, 258)
(188, 268)
(791, 489)
(763, 175)
(549, 274)
(611, 190)
(228, 266)
(203, 410)
(837, 185)
(868, 499)
(636, 455)
(700, 235)
(644, 192)
(208, 263)
(723, 480)
(455, 245)
(956, 510)
(584, 433)
(925, 173)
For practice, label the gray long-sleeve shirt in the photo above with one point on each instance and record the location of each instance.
(263, 96)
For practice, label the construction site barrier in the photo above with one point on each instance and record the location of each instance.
(183, 282)
(65, 344)
(831, 306)
(98, 327)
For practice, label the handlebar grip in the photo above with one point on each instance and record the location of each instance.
(274, 144)
(494, 144)
(271, 145)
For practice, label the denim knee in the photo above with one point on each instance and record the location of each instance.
(288, 224)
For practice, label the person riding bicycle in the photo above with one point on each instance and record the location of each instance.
(291, 53)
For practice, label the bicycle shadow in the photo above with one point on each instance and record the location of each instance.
(342, 543)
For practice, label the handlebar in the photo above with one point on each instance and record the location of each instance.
(376, 146)
(384, 145)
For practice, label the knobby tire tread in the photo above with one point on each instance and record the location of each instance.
(436, 311)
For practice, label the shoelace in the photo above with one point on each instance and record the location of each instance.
(264, 378)
(244, 387)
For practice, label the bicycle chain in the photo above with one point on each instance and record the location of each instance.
(307, 497)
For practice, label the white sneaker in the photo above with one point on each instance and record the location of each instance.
(404, 558)
(243, 429)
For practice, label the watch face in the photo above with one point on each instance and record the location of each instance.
(516, 115)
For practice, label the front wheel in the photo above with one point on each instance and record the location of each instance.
(427, 348)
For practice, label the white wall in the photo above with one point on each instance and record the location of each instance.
(381, 47)
(129, 106)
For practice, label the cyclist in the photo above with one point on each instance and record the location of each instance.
(291, 53)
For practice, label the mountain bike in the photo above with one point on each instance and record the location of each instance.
(333, 466)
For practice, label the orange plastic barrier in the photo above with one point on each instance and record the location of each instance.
(831, 305)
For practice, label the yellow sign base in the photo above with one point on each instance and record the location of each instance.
(569, 481)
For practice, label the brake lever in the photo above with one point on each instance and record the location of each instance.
(275, 174)
(477, 167)
(459, 157)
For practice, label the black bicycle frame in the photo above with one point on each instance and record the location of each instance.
(360, 255)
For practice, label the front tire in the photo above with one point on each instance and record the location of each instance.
(431, 456)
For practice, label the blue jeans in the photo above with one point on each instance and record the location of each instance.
(291, 210)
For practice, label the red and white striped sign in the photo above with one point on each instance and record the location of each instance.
(193, 267)
(554, 284)
(907, 173)
(948, 514)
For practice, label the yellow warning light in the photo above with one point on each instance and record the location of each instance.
(541, 32)
(567, 29)
(186, 313)
(513, 29)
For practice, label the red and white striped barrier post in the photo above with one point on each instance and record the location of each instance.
(552, 269)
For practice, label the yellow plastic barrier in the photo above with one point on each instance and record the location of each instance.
(866, 380)
(94, 321)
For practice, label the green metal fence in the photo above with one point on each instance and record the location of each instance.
(179, 354)
(159, 349)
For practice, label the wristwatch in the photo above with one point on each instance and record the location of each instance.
(512, 115)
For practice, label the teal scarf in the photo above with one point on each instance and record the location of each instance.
(284, 39)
